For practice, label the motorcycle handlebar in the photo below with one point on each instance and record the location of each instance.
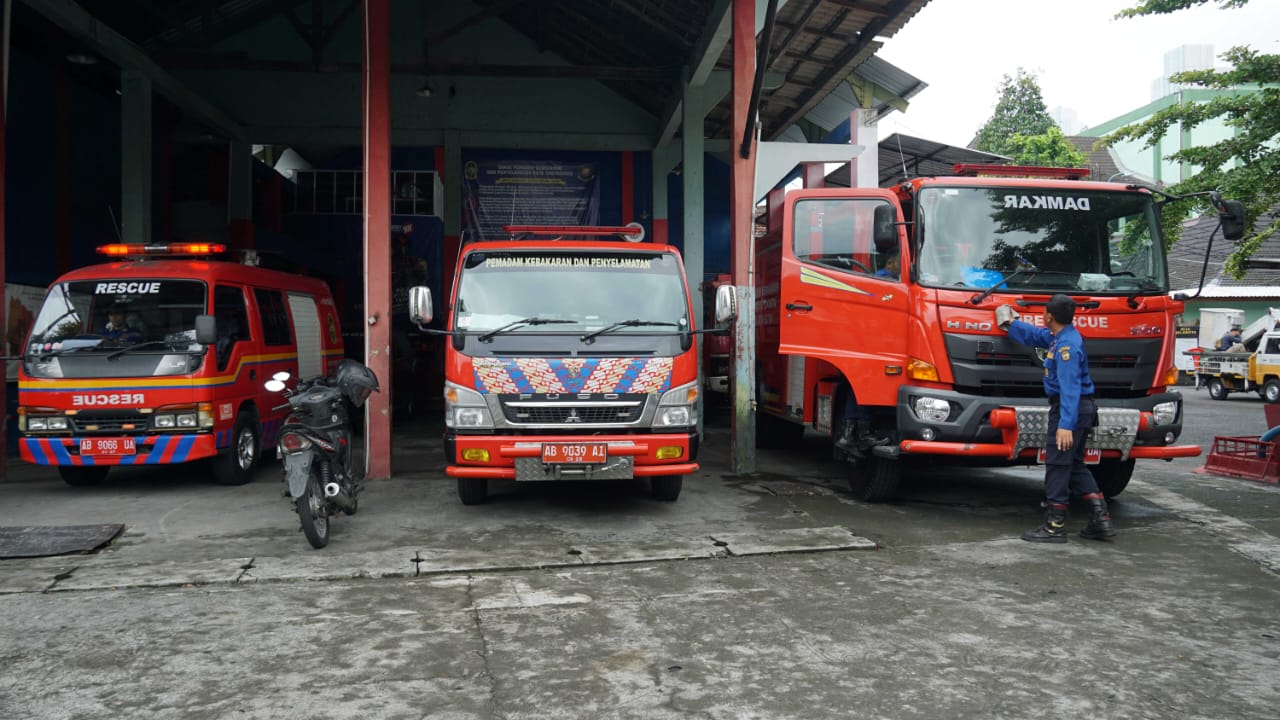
(280, 407)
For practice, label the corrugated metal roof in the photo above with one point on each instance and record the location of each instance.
(904, 156)
(1187, 256)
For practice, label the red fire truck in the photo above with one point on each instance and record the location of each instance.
(875, 320)
(159, 358)
(568, 359)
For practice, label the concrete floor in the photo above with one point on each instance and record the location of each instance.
(771, 596)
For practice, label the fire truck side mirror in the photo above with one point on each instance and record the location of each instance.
(884, 231)
(206, 329)
(726, 305)
(1232, 218)
(420, 305)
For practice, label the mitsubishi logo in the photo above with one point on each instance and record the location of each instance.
(573, 416)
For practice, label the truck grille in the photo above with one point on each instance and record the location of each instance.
(109, 421)
(998, 366)
(573, 410)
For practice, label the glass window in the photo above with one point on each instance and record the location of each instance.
(499, 289)
(103, 314)
(274, 316)
(1039, 239)
(837, 233)
(233, 321)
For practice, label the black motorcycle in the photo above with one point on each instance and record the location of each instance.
(315, 443)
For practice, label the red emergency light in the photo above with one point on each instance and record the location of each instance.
(1020, 171)
(631, 232)
(134, 249)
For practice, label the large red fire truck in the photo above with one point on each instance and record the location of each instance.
(568, 359)
(875, 320)
(160, 356)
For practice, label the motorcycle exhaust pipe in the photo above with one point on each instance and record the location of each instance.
(333, 492)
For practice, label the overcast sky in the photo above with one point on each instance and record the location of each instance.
(1082, 58)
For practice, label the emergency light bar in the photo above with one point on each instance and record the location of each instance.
(128, 249)
(1022, 171)
(631, 232)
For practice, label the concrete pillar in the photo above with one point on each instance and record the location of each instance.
(693, 177)
(135, 157)
(864, 171)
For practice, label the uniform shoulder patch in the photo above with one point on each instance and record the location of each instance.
(1065, 353)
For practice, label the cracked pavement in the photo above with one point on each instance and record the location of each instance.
(773, 596)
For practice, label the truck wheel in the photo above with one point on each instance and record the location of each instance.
(666, 487)
(1112, 476)
(235, 467)
(874, 479)
(1271, 391)
(473, 491)
(1217, 390)
(83, 475)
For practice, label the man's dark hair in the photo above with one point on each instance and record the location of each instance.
(1062, 308)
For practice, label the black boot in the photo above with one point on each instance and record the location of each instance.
(1099, 527)
(1054, 527)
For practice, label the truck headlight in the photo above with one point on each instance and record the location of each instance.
(678, 407)
(465, 408)
(1165, 413)
(931, 409)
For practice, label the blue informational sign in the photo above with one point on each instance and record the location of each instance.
(527, 192)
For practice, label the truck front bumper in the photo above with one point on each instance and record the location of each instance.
(1013, 429)
(519, 457)
(150, 450)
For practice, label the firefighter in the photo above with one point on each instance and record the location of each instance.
(117, 330)
(1072, 413)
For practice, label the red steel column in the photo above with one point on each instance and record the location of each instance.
(4, 366)
(377, 231)
(742, 180)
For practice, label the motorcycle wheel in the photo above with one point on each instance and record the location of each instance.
(312, 512)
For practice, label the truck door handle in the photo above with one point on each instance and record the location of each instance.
(799, 306)
(253, 374)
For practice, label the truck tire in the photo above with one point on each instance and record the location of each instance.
(83, 475)
(473, 491)
(666, 488)
(1112, 476)
(235, 467)
(1271, 391)
(1217, 390)
(874, 479)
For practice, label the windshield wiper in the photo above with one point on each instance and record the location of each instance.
(150, 343)
(1143, 286)
(1004, 280)
(625, 323)
(517, 324)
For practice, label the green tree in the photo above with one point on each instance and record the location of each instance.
(1050, 149)
(1019, 111)
(1245, 166)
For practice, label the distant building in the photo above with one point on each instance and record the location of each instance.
(1150, 161)
(1068, 120)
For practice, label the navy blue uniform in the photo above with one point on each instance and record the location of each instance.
(1070, 390)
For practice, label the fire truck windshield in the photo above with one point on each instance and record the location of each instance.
(1039, 239)
(572, 293)
(83, 326)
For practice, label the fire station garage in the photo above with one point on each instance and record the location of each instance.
(254, 125)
